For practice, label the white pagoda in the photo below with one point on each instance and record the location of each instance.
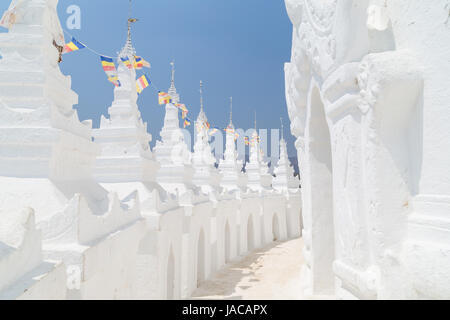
(257, 169)
(231, 169)
(125, 142)
(206, 175)
(47, 157)
(284, 179)
(175, 172)
(37, 122)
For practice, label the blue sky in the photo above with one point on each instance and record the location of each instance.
(237, 47)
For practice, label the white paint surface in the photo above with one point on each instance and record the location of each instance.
(367, 94)
(114, 220)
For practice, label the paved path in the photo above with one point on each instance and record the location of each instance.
(270, 273)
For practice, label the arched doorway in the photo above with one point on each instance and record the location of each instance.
(171, 276)
(320, 196)
(250, 234)
(201, 258)
(275, 228)
(227, 243)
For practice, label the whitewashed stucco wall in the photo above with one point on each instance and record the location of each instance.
(367, 95)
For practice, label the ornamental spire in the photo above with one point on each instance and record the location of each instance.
(172, 81)
(128, 49)
(282, 129)
(172, 90)
(201, 96)
(231, 111)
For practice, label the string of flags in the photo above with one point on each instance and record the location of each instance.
(164, 98)
(109, 67)
(73, 45)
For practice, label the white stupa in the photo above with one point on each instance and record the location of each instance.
(175, 172)
(47, 154)
(231, 169)
(284, 179)
(257, 169)
(206, 176)
(126, 153)
(36, 101)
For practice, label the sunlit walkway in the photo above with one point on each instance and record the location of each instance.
(269, 273)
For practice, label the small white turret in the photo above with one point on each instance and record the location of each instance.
(257, 169)
(175, 172)
(123, 136)
(229, 166)
(205, 173)
(284, 173)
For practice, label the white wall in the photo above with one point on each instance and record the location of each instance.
(366, 89)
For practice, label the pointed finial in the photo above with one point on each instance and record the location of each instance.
(201, 96)
(231, 110)
(172, 90)
(130, 20)
(172, 81)
(129, 50)
(282, 129)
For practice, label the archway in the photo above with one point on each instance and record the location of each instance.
(321, 196)
(250, 234)
(171, 276)
(275, 228)
(227, 243)
(201, 258)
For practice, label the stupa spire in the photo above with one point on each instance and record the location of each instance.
(173, 90)
(201, 96)
(282, 129)
(231, 111)
(128, 49)
(172, 80)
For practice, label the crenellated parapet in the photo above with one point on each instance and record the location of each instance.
(24, 274)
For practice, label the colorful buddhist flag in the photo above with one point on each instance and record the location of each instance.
(142, 83)
(73, 45)
(246, 140)
(184, 110)
(187, 123)
(126, 62)
(140, 63)
(229, 129)
(108, 64)
(213, 131)
(207, 125)
(236, 136)
(182, 107)
(110, 69)
(164, 98)
(114, 80)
